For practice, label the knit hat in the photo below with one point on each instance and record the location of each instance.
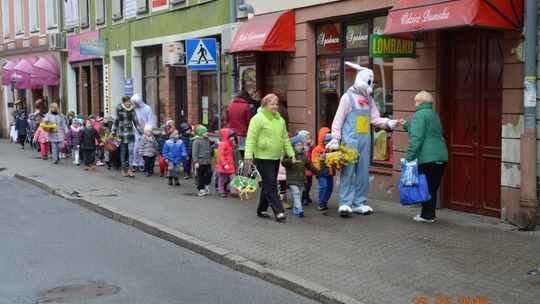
(173, 134)
(75, 121)
(169, 122)
(295, 140)
(147, 128)
(184, 127)
(201, 130)
(327, 138)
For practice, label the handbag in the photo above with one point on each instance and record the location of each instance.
(409, 172)
(246, 187)
(416, 194)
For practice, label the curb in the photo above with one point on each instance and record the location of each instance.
(214, 253)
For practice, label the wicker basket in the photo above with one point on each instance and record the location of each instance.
(110, 147)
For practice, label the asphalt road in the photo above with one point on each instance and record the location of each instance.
(46, 242)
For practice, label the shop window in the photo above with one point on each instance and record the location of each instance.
(153, 73)
(52, 13)
(208, 98)
(34, 16)
(334, 77)
(100, 12)
(5, 18)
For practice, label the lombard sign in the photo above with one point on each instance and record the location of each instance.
(391, 47)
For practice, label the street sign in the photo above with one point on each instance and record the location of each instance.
(128, 87)
(201, 54)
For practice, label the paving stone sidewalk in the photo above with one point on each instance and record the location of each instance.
(381, 258)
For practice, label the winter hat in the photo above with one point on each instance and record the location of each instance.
(295, 140)
(201, 130)
(169, 122)
(75, 121)
(173, 134)
(327, 138)
(147, 128)
(184, 127)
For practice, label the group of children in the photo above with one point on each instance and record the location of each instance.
(180, 150)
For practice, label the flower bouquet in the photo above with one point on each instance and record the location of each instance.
(48, 127)
(340, 158)
(112, 143)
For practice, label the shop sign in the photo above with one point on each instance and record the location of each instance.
(176, 53)
(391, 47)
(159, 5)
(92, 46)
(74, 46)
(425, 16)
(357, 36)
(329, 38)
(106, 90)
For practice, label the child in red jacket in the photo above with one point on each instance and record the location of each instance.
(225, 163)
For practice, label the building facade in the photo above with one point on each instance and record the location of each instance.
(30, 68)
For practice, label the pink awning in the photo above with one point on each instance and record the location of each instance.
(7, 71)
(24, 70)
(46, 71)
(31, 72)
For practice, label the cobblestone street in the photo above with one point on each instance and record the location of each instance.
(381, 258)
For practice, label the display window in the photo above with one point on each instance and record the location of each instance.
(334, 77)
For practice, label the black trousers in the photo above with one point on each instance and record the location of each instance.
(89, 156)
(149, 162)
(21, 139)
(434, 173)
(269, 194)
(307, 188)
(204, 176)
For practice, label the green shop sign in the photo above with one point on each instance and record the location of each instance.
(383, 46)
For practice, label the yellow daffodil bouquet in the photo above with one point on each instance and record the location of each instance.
(340, 158)
(48, 127)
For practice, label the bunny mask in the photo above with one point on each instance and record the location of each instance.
(363, 84)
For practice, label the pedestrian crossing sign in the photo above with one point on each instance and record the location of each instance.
(201, 54)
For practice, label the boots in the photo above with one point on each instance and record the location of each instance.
(124, 172)
(176, 181)
(170, 181)
(130, 172)
(285, 201)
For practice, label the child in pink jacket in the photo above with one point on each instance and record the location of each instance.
(41, 137)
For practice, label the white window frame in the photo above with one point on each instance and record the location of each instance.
(50, 4)
(100, 16)
(5, 19)
(18, 9)
(118, 10)
(143, 6)
(33, 6)
(84, 14)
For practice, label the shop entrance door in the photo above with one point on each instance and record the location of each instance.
(180, 100)
(472, 76)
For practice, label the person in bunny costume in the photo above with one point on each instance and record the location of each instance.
(352, 122)
(146, 118)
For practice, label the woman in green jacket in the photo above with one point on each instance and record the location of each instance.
(266, 140)
(427, 145)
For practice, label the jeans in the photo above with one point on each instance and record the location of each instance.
(296, 191)
(269, 192)
(126, 154)
(326, 186)
(55, 150)
(149, 162)
(223, 178)
(204, 176)
(434, 173)
(75, 156)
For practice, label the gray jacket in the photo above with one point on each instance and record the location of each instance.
(202, 152)
(148, 147)
(60, 122)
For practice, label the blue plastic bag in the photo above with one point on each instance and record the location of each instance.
(417, 194)
(409, 172)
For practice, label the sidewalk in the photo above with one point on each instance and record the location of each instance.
(381, 258)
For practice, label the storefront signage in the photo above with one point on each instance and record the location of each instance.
(176, 53)
(357, 36)
(74, 46)
(383, 46)
(426, 16)
(106, 90)
(128, 87)
(324, 41)
(329, 38)
(92, 46)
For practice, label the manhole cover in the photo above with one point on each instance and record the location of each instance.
(78, 292)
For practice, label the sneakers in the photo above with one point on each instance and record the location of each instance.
(299, 212)
(322, 207)
(364, 209)
(285, 201)
(344, 211)
(100, 163)
(207, 189)
(202, 192)
(420, 219)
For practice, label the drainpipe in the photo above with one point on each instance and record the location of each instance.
(528, 201)
(234, 71)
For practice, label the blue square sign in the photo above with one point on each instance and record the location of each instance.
(201, 54)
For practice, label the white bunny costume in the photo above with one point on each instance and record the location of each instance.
(352, 125)
(146, 118)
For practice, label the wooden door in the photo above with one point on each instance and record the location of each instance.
(473, 91)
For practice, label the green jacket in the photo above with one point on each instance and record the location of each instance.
(296, 172)
(426, 141)
(267, 137)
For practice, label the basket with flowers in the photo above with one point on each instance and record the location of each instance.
(344, 156)
(48, 127)
(112, 143)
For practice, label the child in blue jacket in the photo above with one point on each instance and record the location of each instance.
(174, 152)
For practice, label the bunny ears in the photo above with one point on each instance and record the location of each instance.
(355, 66)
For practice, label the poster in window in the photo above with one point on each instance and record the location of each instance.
(248, 78)
(159, 5)
(328, 75)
